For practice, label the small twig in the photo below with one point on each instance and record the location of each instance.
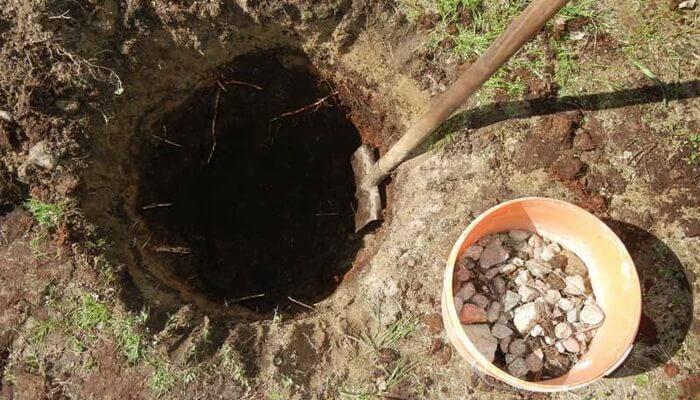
(62, 16)
(301, 304)
(213, 126)
(238, 300)
(316, 104)
(235, 82)
(172, 249)
(156, 205)
(170, 142)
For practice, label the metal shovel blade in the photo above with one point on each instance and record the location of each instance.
(369, 204)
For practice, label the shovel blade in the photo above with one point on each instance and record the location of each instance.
(369, 203)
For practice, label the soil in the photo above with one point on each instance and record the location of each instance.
(127, 100)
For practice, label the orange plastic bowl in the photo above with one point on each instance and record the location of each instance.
(613, 278)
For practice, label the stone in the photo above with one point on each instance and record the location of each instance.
(463, 274)
(560, 347)
(534, 363)
(527, 294)
(493, 254)
(509, 358)
(562, 330)
(546, 254)
(555, 282)
(540, 286)
(535, 240)
(574, 265)
(527, 315)
(510, 300)
(41, 156)
(537, 331)
(556, 313)
(491, 273)
(471, 314)
(537, 268)
(572, 316)
(565, 304)
(517, 347)
(549, 340)
(517, 261)
(502, 319)
(582, 336)
(523, 278)
(574, 285)
(518, 367)
(507, 268)
(571, 345)
(591, 314)
(558, 262)
(687, 5)
(499, 285)
(481, 338)
(503, 345)
(6, 116)
(466, 291)
(552, 296)
(494, 311)
(501, 331)
(518, 235)
(459, 302)
(474, 251)
(480, 300)
(68, 106)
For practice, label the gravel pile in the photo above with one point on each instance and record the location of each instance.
(526, 303)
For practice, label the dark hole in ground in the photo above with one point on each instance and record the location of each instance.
(271, 213)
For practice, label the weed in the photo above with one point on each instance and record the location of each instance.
(47, 215)
(91, 313)
(42, 330)
(286, 381)
(232, 365)
(163, 378)
(694, 156)
(642, 379)
(392, 334)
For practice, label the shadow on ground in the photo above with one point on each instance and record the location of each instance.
(667, 300)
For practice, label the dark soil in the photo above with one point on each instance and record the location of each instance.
(265, 207)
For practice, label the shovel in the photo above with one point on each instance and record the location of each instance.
(369, 174)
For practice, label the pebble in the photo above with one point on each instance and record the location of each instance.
(480, 300)
(687, 5)
(591, 314)
(523, 278)
(535, 240)
(517, 347)
(471, 314)
(537, 331)
(507, 268)
(40, 155)
(546, 254)
(572, 316)
(556, 313)
(574, 285)
(491, 273)
(574, 265)
(571, 345)
(560, 347)
(459, 302)
(499, 285)
(533, 362)
(494, 311)
(540, 286)
(473, 251)
(68, 106)
(466, 291)
(552, 296)
(537, 269)
(518, 367)
(493, 254)
(518, 235)
(481, 338)
(463, 274)
(526, 316)
(565, 304)
(510, 300)
(6, 116)
(555, 282)
(549, 340)
(517, 261)
(501, 331)
(562, 330)
(527, 294)
(504, 344)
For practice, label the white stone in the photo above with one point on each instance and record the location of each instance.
(526, 316)
(474, 251)
(510, 300)
(574, 285)
(552, 296)
(591, 314)
(565, 304)
(494, 311)
(571, 345)
(466, 291)
(549, 340)
(687, 5)
(537, 269)
(560, 347)
(546, 254)
(518, 235)
(554, 246)
(459, 302)
(527, 294)
(507, 268)
(493, 254)
(481, 338)
(501, 331)
(41, 156)
(517, 347)
(562, 330)
(480, 300)
(535, 240)
(523, 278)
(517, 367)
(517, 261)
(537, 331)
(572, 316)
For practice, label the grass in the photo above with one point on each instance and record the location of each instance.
(694, 141)
(231, 365)
(46, 214)
(642, 379)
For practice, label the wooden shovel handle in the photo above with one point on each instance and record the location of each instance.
(520, 31)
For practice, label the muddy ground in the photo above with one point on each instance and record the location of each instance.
(176, 195)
